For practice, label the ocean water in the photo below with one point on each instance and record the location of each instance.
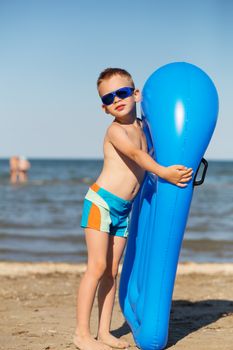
(39, 221)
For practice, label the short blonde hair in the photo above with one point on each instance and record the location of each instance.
(109, 72)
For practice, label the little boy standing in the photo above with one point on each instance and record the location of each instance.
(108, 203)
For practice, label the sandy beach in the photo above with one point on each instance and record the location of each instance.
(37, 307)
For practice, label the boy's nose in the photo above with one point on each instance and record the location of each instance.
(116, 99)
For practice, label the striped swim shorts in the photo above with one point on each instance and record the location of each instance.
(104, 211)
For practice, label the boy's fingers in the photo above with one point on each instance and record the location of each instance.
(181, 185)
(189, 176)
(183, 169)
(180, 167)
(185, 179)
(187, 172)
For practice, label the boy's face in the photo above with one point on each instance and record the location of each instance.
(120, 107)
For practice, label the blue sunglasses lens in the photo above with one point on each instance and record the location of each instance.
(108, 99)
(121, 93)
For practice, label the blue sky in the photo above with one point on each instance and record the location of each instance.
(51, 53)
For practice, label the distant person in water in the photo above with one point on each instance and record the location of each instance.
(19, 167)
(14, 169)
(24, 166)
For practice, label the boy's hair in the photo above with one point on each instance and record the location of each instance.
(109, 72)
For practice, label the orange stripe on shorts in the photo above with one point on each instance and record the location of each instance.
(94, 217)
(95, 187)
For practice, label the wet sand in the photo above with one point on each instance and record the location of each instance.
(37, 307)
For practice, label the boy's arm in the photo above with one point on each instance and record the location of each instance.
(176, 174)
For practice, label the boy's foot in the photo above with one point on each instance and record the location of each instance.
(112, 341)
(89, 343)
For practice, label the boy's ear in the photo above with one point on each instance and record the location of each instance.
(137, 95)
(104, 108)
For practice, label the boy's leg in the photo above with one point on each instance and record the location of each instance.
(107, 292)
(97, 246)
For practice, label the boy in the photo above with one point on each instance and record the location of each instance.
(108, 203)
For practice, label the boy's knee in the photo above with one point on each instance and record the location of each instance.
(98, 268)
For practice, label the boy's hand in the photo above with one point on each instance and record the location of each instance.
(177, 174)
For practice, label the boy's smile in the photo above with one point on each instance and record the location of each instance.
(120, 107)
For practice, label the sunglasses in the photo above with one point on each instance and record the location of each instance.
(122, 93)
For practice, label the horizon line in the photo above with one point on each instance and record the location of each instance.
(97, 158)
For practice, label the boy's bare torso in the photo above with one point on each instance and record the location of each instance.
(121, 175)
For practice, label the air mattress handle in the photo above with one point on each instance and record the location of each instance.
(199, 182)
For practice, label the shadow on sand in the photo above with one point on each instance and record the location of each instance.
(187, 317)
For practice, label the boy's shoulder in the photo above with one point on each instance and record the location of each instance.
(115, 129)
(119, 134)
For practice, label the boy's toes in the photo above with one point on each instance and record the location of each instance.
(105, 347)
(114, 342)
(123, 344)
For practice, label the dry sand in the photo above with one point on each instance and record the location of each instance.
(37, 307)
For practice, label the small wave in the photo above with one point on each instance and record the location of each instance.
(41, 253)
(16, 225)
(4, 180)
(205, 245)
(25, 256)
(72, 239)
(56, 181)
(4, 176)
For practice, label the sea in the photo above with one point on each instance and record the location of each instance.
(40, 220)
